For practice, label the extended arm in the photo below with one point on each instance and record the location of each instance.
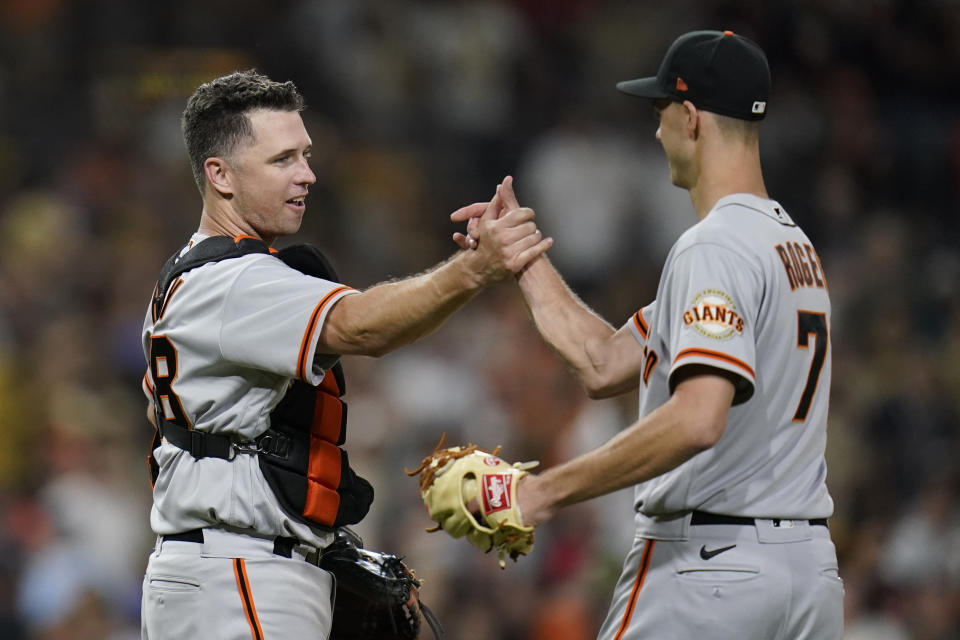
(690, 422)
(393, 314)
(607, 361)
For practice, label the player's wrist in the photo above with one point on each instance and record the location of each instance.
(470, 271)
(534, 502)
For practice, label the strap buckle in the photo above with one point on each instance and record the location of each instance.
(246, 448)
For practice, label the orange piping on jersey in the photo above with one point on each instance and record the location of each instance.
(641, 325)
(146, 382)
(166, 301)
(247, 236)
(686, 353)
(637, 585)
(650, 358)
(311, 327)
(246, 597)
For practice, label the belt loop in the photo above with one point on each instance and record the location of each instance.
(197, 444)
(284, 546)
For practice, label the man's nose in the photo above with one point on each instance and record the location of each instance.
(306, 175)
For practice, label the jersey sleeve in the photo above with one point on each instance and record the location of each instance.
(713, 298)
(639, 323)
(272, 317)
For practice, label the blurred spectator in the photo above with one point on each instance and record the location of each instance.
(416, 106)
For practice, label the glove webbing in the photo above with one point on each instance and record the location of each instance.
(441, 457)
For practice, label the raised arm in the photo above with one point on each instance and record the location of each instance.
(606, 361)
(394, 314)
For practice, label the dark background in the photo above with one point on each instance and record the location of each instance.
(416, 108)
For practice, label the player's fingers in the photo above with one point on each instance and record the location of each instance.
(493, 209)
(526, 256)
(507, 194)
(508, 235)
(469, 211)
(462, 241)
(473, 228)
(524, 242)
(517, 217)
(465, 241)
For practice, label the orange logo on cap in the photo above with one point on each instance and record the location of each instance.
(681, 85)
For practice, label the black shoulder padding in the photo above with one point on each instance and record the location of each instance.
(212, 249)
(308, 260)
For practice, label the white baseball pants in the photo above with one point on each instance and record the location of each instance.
(776, 580)
(233, 587)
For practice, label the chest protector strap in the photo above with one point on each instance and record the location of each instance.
(300, 455)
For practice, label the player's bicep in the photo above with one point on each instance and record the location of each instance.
(341, 332)
(704, 394)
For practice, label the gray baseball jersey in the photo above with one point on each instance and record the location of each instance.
(235, 334)
(743, 291)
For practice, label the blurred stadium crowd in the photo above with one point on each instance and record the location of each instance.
(415, 108)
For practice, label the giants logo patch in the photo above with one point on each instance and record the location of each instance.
(496, 492)
(714, 315)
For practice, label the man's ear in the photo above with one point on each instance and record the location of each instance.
(693, 119)
(219, 175)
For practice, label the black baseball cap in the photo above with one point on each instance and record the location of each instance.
(717, 71)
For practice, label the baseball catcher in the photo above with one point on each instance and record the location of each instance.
(472, 493)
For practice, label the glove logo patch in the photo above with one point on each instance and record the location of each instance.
(496, 492)
(492, 461)
(713, 314)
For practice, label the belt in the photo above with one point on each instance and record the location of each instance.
(702, 517)
(282, 546)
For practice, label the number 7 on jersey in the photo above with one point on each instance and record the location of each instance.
(811, 322)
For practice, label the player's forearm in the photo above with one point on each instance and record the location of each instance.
(647, 449)
(690, 422)
(572, 329)
(393, 314)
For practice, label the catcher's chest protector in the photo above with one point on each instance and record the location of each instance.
(300, 454)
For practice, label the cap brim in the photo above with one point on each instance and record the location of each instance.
(642, 88)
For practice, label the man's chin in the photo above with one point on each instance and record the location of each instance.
(677, 180)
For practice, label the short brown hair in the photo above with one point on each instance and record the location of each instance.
(216, 119)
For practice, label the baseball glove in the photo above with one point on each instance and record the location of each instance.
(461, 484)
(377, 595)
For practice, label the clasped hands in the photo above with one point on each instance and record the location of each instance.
(501, 232)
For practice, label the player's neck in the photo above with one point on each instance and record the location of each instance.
(219, 219)
(729, 171)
